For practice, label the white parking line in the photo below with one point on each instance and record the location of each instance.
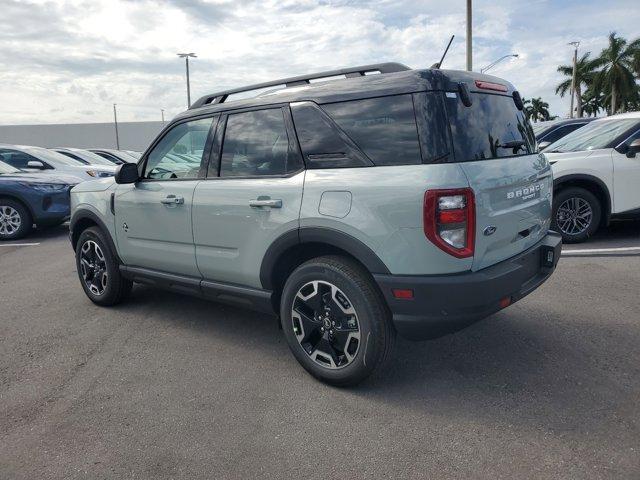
(601, 250)
(18, 244)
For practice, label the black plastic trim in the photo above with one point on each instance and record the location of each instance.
(329, 236)
(82, 214)
(252, 298)
(443, 304)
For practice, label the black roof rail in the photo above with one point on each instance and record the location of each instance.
(220, 97)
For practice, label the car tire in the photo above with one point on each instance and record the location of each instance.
(576, 214)
(15, 220)
(335, 320)
(98, 269)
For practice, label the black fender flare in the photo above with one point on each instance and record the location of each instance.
(557, 182)
(85, 214)
(329, 236)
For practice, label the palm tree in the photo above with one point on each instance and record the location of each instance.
(585, 73)
(536, 109)
(616, 77)
(593, 102)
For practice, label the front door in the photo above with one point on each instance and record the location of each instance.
(626, 178)
(251, 197)
(153, 216)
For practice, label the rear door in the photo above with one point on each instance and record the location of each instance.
(495, 147)
(250, 197)
(153, 216)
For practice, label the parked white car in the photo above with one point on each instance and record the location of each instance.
(38, 159)
(596, 175)
(84, 157)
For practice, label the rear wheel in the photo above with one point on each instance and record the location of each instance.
(98, 269)
(15, 220)
(576, 214)
(335, 321)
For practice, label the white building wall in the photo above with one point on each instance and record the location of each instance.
(133, 135)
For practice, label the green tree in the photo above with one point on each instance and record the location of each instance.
(593, 102)
(616, 78)
(536, 109)
(585, 73)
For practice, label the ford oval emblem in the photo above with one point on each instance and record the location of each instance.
(490, 230)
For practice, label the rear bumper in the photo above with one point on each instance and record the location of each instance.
(443, 304)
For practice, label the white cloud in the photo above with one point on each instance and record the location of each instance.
(68, 61)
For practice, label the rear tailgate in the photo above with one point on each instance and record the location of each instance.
(495, 147)
(513, 205)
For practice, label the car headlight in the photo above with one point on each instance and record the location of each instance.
(46, 187)
(105, 174)
(93, 173)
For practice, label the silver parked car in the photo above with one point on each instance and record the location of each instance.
(411, 201)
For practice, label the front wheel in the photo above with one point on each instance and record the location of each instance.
(98, 269)
(576, 214)
(335, 321)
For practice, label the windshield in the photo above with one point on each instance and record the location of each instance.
(598, 134)
(5, 168)
(52, 157)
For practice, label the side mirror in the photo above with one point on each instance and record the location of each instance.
(543, 145)
(127, 173)
(633, 148)
(35, 164)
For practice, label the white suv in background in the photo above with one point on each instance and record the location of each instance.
(596, 173)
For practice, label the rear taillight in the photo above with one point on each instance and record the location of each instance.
(450, 220)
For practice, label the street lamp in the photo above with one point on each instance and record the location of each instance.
(186, 59)
(493, 64)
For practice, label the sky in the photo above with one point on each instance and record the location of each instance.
(70, 61)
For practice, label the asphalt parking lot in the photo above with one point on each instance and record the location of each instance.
(166, 386)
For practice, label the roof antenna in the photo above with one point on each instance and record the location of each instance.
(439, 64)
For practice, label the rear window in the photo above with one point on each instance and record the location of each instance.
(492, 127)
(383, 128)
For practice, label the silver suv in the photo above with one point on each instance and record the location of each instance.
(384, 200)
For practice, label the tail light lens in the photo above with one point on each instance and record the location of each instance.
(450, 220)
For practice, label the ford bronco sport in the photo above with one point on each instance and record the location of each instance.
(388, 200)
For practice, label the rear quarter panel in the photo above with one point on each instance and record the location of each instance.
(385, 212)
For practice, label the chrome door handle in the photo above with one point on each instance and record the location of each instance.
(265, 202)
(172, 200)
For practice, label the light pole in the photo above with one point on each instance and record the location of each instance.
(493, 64)
(162, 113)
(115, 122)
(186, 59)
(469, 42)
(573, 76)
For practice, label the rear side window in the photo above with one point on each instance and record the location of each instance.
(255, 144)
(491, 127)
(383, 128)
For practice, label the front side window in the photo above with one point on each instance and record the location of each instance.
(384, 128)
(179, 154)
(255, 144)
